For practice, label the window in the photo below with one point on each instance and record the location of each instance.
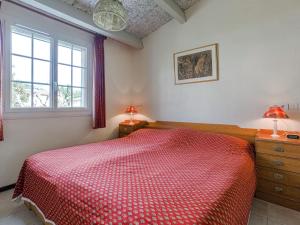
(30, 70)
(71, 71)
(46, 73)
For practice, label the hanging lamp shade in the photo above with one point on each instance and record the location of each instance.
(110, 15)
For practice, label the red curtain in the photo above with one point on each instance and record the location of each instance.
(99, 120)
(1, 73)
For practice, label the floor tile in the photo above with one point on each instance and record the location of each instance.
(15, 213)
(275, 222)
(282, 215)
(258, 220)
(260, 207)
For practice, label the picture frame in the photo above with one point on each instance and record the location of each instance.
(197, 65)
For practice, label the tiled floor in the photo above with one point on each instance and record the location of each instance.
(263, 213)
(12, 213)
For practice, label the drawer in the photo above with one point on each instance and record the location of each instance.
(282, 163)
(279, 176)
(126, 129)
(278, 189)
(278, 149)
(278, 200)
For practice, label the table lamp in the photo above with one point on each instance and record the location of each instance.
(131, 110)
(275, 112)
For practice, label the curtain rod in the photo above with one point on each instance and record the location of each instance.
(48, 16)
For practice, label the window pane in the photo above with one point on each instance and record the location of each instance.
(64, 55)
(78, 99)
(20, 95)
(21, 69)
(64, 97)
(41, 49)
(78, 77)
(64, 75)
(21, 44)
(41, 71)
(77, 57)
(41, 95)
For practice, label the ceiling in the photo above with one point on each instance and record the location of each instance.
(145, 16)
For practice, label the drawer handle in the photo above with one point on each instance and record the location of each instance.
(278, 176)
(279, 149)
(278, 189)
(278, 163)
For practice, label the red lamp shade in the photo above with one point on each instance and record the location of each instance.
(131, 109)
(276, 112)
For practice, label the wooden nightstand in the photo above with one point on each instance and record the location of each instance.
(278, 169)
(126, 128)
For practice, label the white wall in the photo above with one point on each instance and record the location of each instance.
(25, 136)
(259, 64)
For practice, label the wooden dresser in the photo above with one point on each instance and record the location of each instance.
(126, 128)
(278, 169)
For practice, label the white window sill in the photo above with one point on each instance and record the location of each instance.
(46, 114)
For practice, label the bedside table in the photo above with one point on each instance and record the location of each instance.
(126, 128)
(278, 169)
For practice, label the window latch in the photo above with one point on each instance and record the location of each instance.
(55, 85)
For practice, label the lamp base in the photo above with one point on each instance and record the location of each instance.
(275, 136)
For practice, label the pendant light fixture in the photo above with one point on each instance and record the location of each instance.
(110, 15)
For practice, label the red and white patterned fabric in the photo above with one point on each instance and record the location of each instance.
(157, 177)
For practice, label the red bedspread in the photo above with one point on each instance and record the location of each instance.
(153, 177)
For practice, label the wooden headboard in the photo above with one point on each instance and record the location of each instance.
(233, 130)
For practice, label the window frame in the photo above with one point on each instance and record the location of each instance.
(53, 110)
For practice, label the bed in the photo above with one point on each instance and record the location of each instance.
(153, 176)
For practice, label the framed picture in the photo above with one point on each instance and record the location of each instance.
(197, 65)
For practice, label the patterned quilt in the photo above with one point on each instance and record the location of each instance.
(157, 177)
